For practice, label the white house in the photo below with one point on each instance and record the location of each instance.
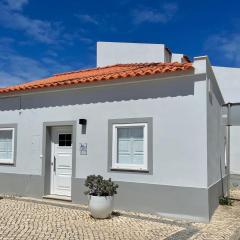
(154, 128)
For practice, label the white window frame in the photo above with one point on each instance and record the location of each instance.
(9, 161)
(115, 164)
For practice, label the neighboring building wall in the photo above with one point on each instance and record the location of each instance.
(178, 183)
(176, 57)
(235, 150)
(234, 121)
(168, 55)
(109, 53)
(235, 155)
(229, 83)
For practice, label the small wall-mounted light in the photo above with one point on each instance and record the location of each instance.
(83, 122)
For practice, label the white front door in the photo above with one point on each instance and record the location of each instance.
(61, 161)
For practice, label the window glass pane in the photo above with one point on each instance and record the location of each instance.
(9, 155)
(3, 146)
(6, 135)
(68, 137)
(137, 132)
(6, 141)
(61, 143)
(124, 145)
(123, 132)
(138, 153)
(138, 159)
(65, 140)
(3, 155)
(61, 137)
(130, 149)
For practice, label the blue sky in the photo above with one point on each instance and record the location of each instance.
(40, 38)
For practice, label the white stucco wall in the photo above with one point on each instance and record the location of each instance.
(229, 82)
(235, 149)
(216, 130)
(178, 109)
(176, 57)
(110, 53)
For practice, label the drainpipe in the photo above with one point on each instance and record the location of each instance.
(228, 148)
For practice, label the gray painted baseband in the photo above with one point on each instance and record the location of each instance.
(21, 185)
(214, 192)
(182, 202)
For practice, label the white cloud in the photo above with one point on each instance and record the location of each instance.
(12, 17)
(7, 79)
(42, 31)
(79, 37)
(85, 40)
(163, 15)
(87, 18)
(225, 46)
(16, 4)
(16, 68)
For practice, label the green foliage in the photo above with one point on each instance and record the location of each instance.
(225, 201)
(100, 187)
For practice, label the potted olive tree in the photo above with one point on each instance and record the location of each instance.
(101, 194)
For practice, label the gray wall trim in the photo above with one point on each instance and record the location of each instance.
(172, 201)
(149, 121)
(15, 126)
(196, 204)
(21, 185)
(46, 126)
(214, 192)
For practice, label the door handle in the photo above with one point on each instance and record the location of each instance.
(54, 164)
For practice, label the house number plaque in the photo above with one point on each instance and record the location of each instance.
(83, 148)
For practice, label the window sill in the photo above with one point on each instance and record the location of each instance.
(7, 164)
(129, 170)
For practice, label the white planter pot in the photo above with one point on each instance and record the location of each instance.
(100, 207)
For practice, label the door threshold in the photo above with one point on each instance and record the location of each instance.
(58, 197)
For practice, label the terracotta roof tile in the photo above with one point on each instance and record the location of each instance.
(100, 74)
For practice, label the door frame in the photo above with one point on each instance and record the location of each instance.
(46, 152)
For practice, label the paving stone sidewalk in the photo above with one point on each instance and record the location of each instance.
(30, 220)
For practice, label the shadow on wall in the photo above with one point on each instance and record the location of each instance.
(183, 86)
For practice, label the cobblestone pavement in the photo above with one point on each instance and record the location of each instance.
(29, 220)
(235, 193)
